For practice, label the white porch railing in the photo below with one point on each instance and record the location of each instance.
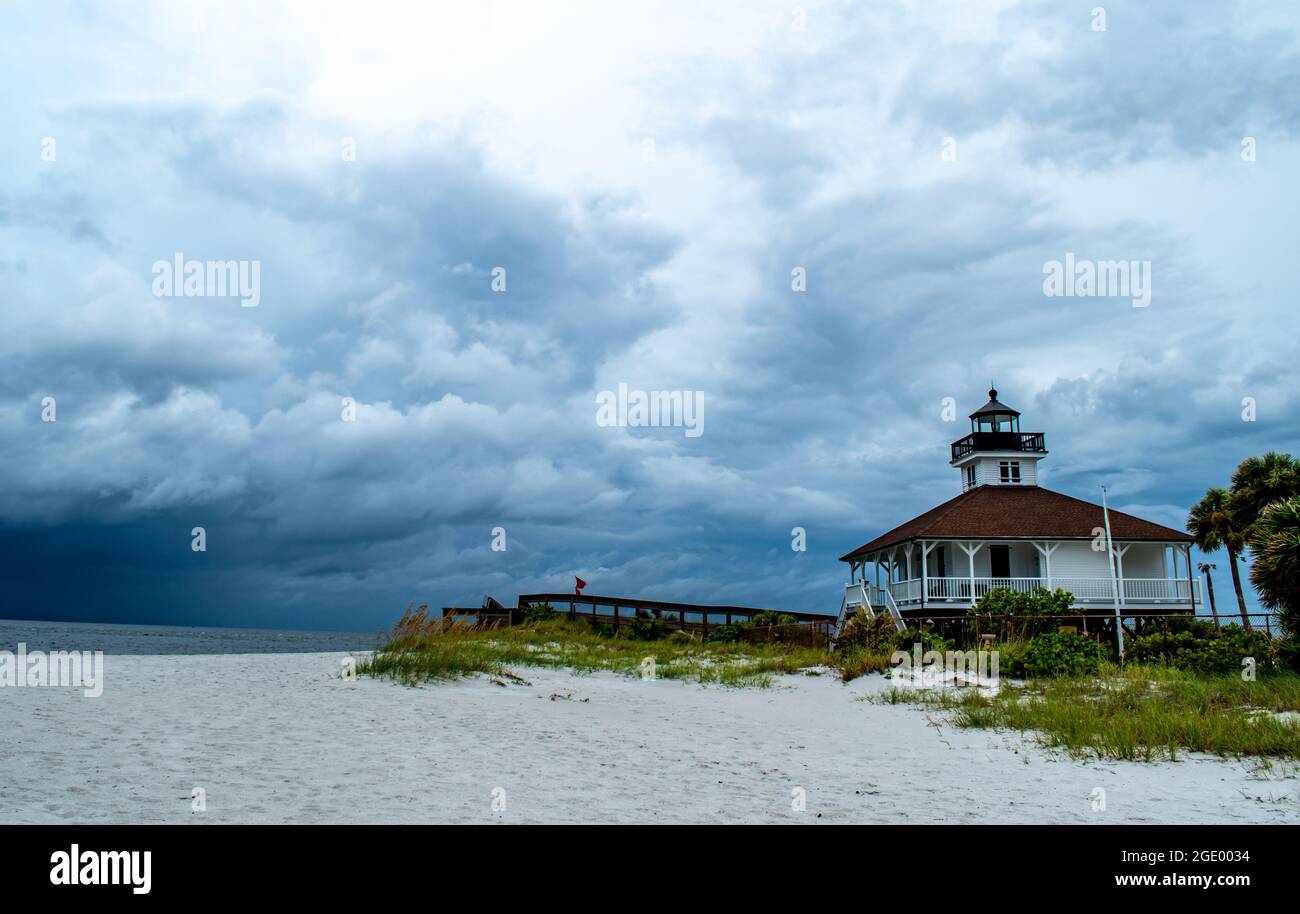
(906, 591)
(959, 588)
(1172, 591)
(1086, 590)
(1159, 590)
(855, 598)
(892, 606)
(855, 594)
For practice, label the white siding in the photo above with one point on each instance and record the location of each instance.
(1025, 561)
(1145, 560)
(1073, 559)
(1142, 560)
(988, 473)
(1022, 561)
(1078, 560)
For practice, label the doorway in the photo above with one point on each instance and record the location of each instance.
(1000, 561)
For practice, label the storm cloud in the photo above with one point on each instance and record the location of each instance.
(643, 181)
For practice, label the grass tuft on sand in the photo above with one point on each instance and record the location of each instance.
(1139, 712)
(423, 649)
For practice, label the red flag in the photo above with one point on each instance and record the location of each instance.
(578, 584)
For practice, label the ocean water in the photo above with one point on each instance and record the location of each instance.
(174, 639)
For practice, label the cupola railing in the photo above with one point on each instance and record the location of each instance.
(1023, 442)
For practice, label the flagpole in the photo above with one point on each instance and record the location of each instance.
(1114, 581)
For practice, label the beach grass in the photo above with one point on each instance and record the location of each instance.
(853, 662)
(423, 649)
(1138, 712)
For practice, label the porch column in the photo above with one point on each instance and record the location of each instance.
(970, 557)
(1191, 594)
(1045, 549)
(1119, 564)
(924, 593)
(907, 557)
(926, 549)
(970, 548)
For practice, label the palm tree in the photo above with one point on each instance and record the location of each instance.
(1213, 524)
(1259, 482)
(1205, 568)
(1276, 573)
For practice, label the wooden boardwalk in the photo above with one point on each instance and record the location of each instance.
(619, 611)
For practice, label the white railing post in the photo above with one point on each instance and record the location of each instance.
(1120, 552)
(970, 558)
(1046, 550)
(970, 548)
(924, 555)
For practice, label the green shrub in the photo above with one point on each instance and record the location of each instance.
(536, 612)
(681, 637)
(647, 628)
(927, 638)
(1018, 614)
(724, 633)
(1201, 627)
(879, 636)
(868, 645)
(860, 631)
(1203, 648)
(770, 617)
(1060, 654)
(1011, 657)
(1288, 655)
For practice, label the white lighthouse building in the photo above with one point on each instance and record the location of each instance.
(1005, 531)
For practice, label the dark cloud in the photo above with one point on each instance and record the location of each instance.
(475, 409)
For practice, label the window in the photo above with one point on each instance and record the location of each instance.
(1009, 470)
(970, 476)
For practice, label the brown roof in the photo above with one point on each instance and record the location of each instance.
(1009, 512)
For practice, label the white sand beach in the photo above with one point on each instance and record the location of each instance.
(281, 738)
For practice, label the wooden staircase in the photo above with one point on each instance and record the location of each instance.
(856, 597)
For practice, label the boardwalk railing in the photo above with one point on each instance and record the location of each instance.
(696, 617)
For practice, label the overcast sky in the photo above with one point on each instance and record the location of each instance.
(648, 176)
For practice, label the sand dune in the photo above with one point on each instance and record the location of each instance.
(280, 738)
